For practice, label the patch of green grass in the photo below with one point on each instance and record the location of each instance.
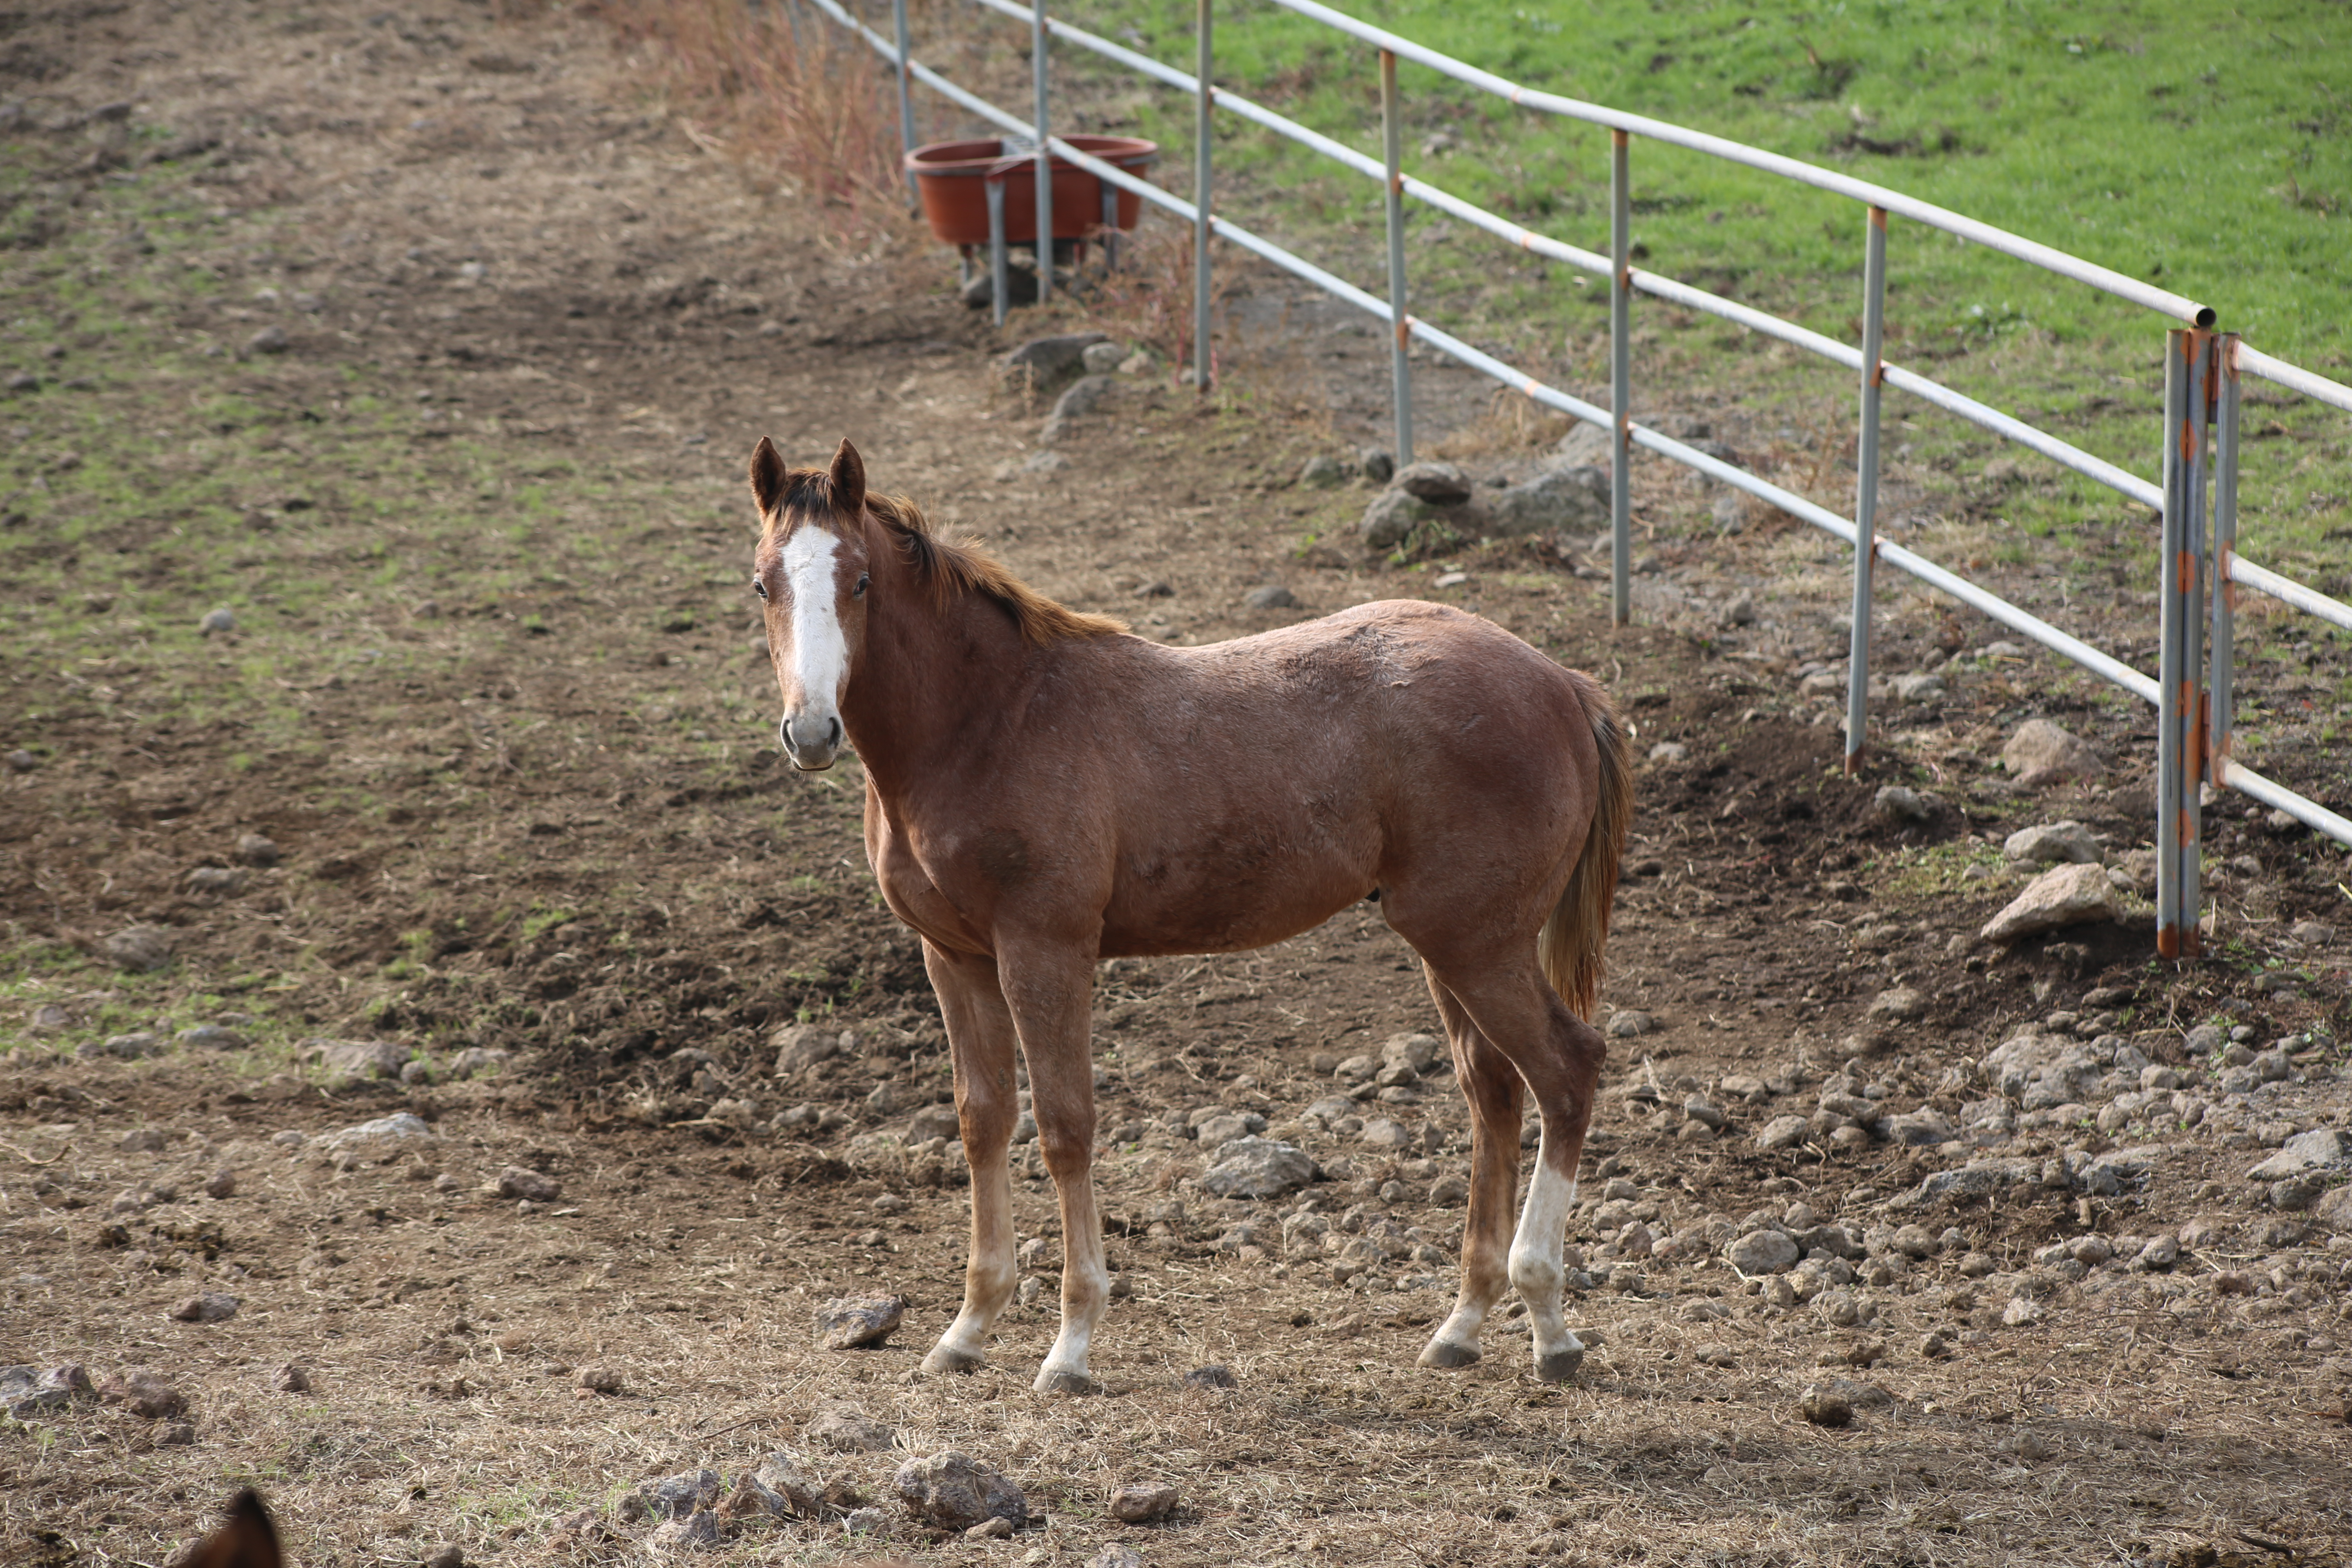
(2209, 153)
(543, 919)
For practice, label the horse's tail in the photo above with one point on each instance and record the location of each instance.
(1570, 943)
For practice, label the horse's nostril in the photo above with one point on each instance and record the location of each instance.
(835, 738)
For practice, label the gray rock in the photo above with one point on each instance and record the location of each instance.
(21, 761)
(140, 949)
(221, 1184)
(848, 1430)
(1698, 1108)
(675, 1497)
(2042, 751)
(1273, 597)
(1222, 1127)
(1555, 500)
(1822, 1407)
(2334, 1210)
(210, 1037)
(1669, 752)
(1585, 446)
(217, 620)
(1103, 359)
(205, 1307)
(1083, 398)
(1377, 465)
(1142, 1504)
(1985, 1178)
(1116, 1556)
(1392, 515)
(519, 1182)
(270, 339)
(695, 1532)
(256, 849)
(1761, 1252)
(1042, 364)
(1254, 1167)
(2318, 1150)
(27, 1391)
(1432, 481)
(854, 1321)
(1629, 1024)
(1900, 1004)
(400, 1124)
(1917, 686)
(350, 1059)
(2053, 841)
(952, 1490)
(127, 1047)
(218, 881)
(801, 1489)
(1897, 804)
(1210, 1378)
(2062, 896)
(144, 1392)
(1322, 472)
(1782, 1132)
(1920, 1129)
(800, 1046)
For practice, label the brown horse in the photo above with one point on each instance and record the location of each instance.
(1043, 791)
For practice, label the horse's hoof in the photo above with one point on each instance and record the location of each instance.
(1560, 1366)
(1054, 1381)
(1447, 1355)
(945, 1359)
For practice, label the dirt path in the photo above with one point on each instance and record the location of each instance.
(429, 348)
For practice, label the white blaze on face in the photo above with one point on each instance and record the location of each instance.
(820, 653)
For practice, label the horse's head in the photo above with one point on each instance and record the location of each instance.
(811, 570)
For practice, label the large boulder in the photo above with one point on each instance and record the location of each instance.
(2062, 896)
(2321, 1149)
(1575, 499)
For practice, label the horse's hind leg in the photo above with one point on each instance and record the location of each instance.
(1559, 1056)
(980, 1044)
(1493, 1087)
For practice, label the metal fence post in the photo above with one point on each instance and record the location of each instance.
(2180, 718)
(2222, 682)
(1045, 158)
(1203, 99)
(906, 103)
(1621, 380)
(999, 268)
(1392, 145)
(1865, 482)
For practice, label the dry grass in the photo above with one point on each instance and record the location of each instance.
(809, 105)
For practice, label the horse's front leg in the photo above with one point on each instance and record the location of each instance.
(980, 1044)
(1050, 989)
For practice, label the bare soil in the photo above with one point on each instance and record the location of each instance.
(497, 692)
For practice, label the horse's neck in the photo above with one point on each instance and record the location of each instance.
(931, 680)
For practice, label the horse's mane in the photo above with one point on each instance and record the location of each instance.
(953, 566)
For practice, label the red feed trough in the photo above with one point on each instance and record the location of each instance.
(952, 179)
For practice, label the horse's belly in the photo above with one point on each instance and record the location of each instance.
(1224, 913)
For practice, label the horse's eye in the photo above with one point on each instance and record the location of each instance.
(758, 587)
(859, 592)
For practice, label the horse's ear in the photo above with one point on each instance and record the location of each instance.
(848, 480)
(247, 1540)
(767, 477)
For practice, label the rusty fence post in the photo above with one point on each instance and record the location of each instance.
(2222, 684)
(1204, 101)
(2181, 717)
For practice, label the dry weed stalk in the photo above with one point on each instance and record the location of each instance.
(812, 105)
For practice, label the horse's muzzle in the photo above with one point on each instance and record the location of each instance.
(812, 740)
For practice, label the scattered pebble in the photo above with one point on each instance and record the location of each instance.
(140, 949)
(1822, 1408)
(1214, 1377)
(291, 1379)
(21, 761)
(223, 1183)
(1142, 1504)
(256, 849)
(206, 1307)
(143, 1392)
(856, 1321)
(210, 1037)
(451, 1556)
(270, 339)
(848, 1430)
(216, 621)
(515, 1181)
(599, 1379)
(1273, 597)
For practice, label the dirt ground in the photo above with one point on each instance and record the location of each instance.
(431, 345)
